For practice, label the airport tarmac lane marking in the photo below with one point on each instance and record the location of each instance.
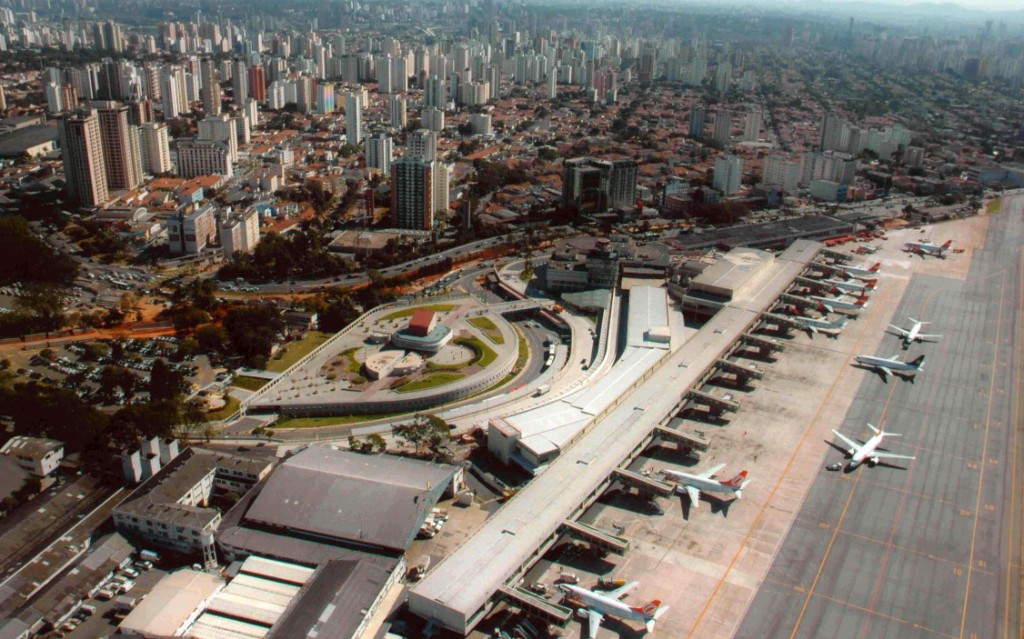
(1015, 412)
(984, 455)
(836, 528)
(785, 472)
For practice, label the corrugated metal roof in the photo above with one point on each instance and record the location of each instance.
(280, 570)
(266, 585)
(371, 499)
(241, 628)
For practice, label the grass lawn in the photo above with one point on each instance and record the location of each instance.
(483, 355)
(249, 383)
(407, 312)
(317, 422)
(488, 328)
(229, 409)
(432, 380)
(995, 205)
(523, 354)
(353, 366)
(295, 351)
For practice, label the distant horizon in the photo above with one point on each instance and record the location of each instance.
(988, 5)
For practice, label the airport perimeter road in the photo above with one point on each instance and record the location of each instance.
(932, 549)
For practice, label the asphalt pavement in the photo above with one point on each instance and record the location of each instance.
(930, 547)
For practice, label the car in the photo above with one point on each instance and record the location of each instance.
(126, 587)
(131, 572)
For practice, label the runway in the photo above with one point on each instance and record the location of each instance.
(933, 548)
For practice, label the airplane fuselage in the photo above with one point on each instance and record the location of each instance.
(605, 605)
(701, 484)
(881, 362)
(836, 302)
(852, 286)
(866, 452)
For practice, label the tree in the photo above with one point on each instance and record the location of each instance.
(253, 331)
(164, 383)
(370, 445)
(117, 377)
(212, 339)
(45, 303)
(424, 432)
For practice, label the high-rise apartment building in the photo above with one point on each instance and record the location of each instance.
(155, 148)
(782, 173)
(353, 117)
(412, 198)
(221, 128)
(203, 157)
(258, 83)
(399, 117)
(120, 147)
(239, 232)
(432, 119)
(210, 91)
(422, 144)
(379, 153)
(728, 174)
(240, 83)
(82, 151)
(723, 128)
(752, 126)
(833, 131)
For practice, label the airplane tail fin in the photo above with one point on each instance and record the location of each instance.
(871, 283)
(737, 482)
(918, 321)
(862, 300)
(841, 322)
(874, 269)
(918, 363)
(650, 621)
(948, 244)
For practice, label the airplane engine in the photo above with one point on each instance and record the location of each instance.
(581, 613)
(873, 460)
(851, 452)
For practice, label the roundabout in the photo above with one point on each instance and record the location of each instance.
(399, 360)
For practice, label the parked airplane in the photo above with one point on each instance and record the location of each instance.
(830, 304)
(914, 334)
(599, 604)
(828, 327)
(868, 451)
(868, 248)
(928, 248)
(892, 365)
(861, 273)
(870, 285)
(694, 484)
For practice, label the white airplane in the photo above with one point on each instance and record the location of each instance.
(914, 334)
(868, 451)
(830, 304)
(857, 287)
(870, 248)
(814, 325)
(599, 604)
(860, 273)
(928, 248)
(892, 365)
(694, 484)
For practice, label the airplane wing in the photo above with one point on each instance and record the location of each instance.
(881, 455)
(899, 331)
(708, 474)
(932, 338)
(622, 591)
(694, 496)
(849, 442)
(885, 371)
(812, 328)
(594, 618)
(829, 308)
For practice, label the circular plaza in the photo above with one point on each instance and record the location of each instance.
(399, 359)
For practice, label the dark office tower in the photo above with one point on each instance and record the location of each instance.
(110, 80)
(648, 64)
(698, 117)
(120, 147)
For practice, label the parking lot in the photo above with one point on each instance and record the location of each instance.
(105, 620)
(79, 365)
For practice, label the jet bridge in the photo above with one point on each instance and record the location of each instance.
(595, 537)
(800, 302)
(716, 403)
(539, 606)
(693, 441)
(743, 372)
(813, 283)
(841, 258)
(645, 485)
(764, 344)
